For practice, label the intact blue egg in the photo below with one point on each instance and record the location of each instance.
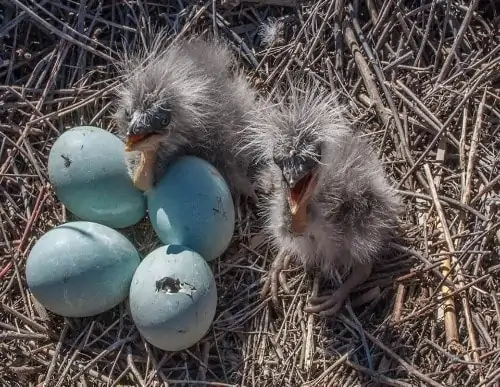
(81, 269)
(192, 206)
(173, 297)
(88, 172)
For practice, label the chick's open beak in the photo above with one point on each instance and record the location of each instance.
(141, 134)
(134, 139)
(301, 192)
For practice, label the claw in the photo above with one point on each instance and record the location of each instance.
(276, 278)
(329, 305)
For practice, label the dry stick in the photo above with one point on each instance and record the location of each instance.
(14, 22)
(341, 360)
(431, 128)
(471, 90)
(105, 352)
(120, 377)
(67, 27)
(381, 20)
(466, 193)
(457, 41)
(384, 380)
(423, 111)
(94, 17)
(487, 188)
(493, 379)
(292, 55)
(133, 368)
(82, 103)
(440, 156)
(411, 370)
(398, 303)
(429, 307)
(371, 86)
(22, 336)
(366, 74)
(319, 33)
(309, 339)
(36, 109)
(337, 32)
(76, 352)
(52, 366)
(34, 216)
(473, 150)
(381, 79)
(179, 382)
(372, 10)
(450, 318)
(200, 363)
(361, 332)
(57, 113)
(60, 34)
(461, 148)
(94, 374)
(426, 33)
(448, 201)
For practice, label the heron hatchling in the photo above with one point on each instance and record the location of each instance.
(327, 201)
(183, 98)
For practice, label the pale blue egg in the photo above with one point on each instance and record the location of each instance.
(192, 206)
(88, 173)
(81, 269)
(173, 297)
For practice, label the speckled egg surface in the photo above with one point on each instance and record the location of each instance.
(173, 297)
(192, 206)
(88, 173)
(80, 269)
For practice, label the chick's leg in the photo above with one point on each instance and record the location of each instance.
(330, 304)
(276, 277)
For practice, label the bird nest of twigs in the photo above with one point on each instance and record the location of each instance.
(419, 79)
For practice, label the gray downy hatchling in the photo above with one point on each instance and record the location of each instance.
(183, 98)
(327, 202)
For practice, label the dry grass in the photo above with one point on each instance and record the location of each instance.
(421, 79)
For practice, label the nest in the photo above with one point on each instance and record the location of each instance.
(420, 79)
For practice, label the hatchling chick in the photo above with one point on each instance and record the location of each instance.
(184, 98)
(327, 202)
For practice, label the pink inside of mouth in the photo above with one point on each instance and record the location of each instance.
(299, 189)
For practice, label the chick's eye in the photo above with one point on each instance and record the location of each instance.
(318, 151)
(309, 163)
(164, 116)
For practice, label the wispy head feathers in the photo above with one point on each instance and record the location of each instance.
(181, 74)
(305, 116)
(197, 82)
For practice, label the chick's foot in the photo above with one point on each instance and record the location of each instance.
(276, 278)
(329, 305)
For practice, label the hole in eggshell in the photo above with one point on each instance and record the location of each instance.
(171, 285)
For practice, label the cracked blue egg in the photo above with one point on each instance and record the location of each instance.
(89, 175)
(192, 206)
(81, 269)
(173, 297)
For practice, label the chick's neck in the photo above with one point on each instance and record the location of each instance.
(144, 174)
